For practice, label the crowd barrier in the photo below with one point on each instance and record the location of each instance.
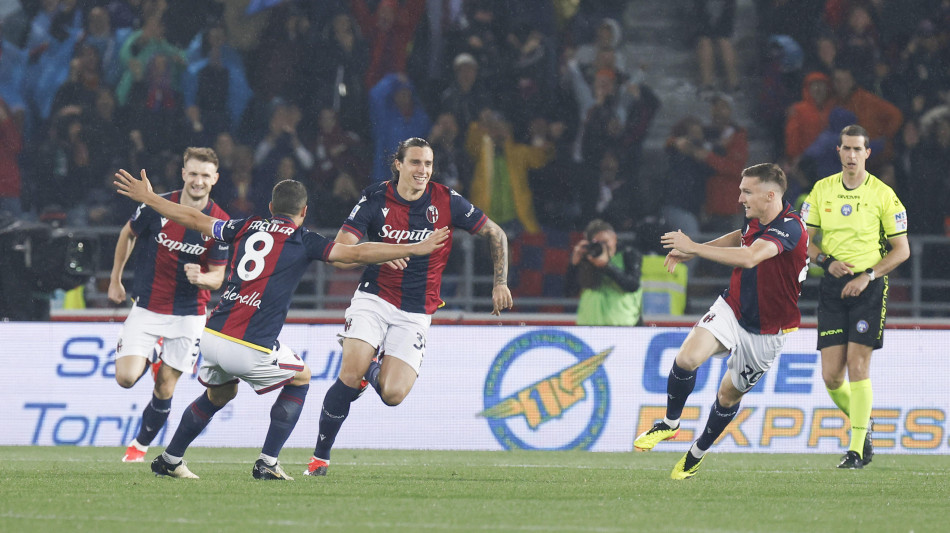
(542, 387)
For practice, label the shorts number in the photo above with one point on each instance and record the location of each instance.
(254, 255)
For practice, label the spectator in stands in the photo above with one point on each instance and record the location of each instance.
(808, 117)
(342, 64)
(467, 96)
(727, 155)
(155, 105)
(397, 114)
(714, 21)
(238, 196)
(482, 35)
(61, 173)
(282, 141)
(880, 118)
(83, 82)
(138, 52)
(215, 86)
(500, 184)
(924, 70)
(684, 188)
(858, 41)
(11, 143)
(108, 143)
(617, 200)
(533, 75)
(453, 168)
(608, 278)
(100, 35)
(388, 30)
(608, 36)
(927, 193)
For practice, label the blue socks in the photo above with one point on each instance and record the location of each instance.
(372, 375)
(719, 418)
(336, 405)
(193, 421)
(283, 417)
(153, 419)
(679, 385)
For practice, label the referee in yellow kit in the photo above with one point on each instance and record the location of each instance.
(859, 218)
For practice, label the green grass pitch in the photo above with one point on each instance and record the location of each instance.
(49, 489)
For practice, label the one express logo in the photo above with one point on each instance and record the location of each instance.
(564, 407)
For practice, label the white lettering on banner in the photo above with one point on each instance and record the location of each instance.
(399, 235)
(253, 299)
(67, 395)
(176, 246)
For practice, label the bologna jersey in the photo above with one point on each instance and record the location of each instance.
(764, 298)
(383, 216)
(269, 257)
(161, 285)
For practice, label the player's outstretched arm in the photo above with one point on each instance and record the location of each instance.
(498, 244)
(141, 191)
(369, 253)
(123, 250)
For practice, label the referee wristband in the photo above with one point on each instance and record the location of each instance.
(824, 261)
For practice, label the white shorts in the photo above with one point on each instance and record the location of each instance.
(143, 328)
(225, 360)
(401, 334)
(752, 354)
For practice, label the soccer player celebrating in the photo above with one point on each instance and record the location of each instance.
(174, 274)
(384, 339)
(750, 319)
(855, 213)
(240, 339)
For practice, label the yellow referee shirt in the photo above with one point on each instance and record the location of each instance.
(855, 224)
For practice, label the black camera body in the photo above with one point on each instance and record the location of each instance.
(595, 249)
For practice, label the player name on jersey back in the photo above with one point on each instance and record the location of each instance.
(271, 227)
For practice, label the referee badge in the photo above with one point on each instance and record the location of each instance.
(861, 326)
(846, 209)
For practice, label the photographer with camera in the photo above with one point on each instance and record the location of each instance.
(607, 278)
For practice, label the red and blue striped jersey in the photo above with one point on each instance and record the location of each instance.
(269, 257)
(160, 284)
(383, 216)
(765, 297)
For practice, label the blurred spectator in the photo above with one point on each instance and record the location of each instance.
(138, 52)
(684, 188)
(11, 143)
(617, 199)
(927, 192)
(237, 196)
(533, 75)
(925, 71)
(821, 158)
(341, 65)
(281, 141)
(215, 87)
(822, 54)
(858, 43)
(154, 104)
(453, 168)
(727, 156)
(500, 183)
(389, 31)
(714, 22)
(608, 36)
(880, 118)
(108, 143)
(808, 117)
(99, 35)
(781, 84)
(397, 115)
(336, 152)
(482, 33)
(61, 173)
(467, 96)
(283, 56)
(14, 22)
(13, 62)
(83, 83)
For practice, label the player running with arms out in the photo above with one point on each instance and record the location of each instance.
(240, 339)
(384, 339)
(857, 216)
(175, 270)
(750, 319)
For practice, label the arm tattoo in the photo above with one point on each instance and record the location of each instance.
(498, 244)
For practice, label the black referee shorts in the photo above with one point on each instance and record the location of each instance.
(859, 319)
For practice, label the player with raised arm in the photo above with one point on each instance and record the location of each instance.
(749, 322)
(384, 339)
(269, 257)
(175, 270)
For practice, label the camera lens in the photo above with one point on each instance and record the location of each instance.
(595, 249)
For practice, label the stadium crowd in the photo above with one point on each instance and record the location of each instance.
(522, 102)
